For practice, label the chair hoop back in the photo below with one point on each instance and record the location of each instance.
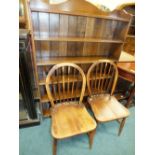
(65, 82)
(102, 77)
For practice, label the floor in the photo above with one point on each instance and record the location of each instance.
(37, 140)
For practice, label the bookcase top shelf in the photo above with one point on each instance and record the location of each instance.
(78, 8)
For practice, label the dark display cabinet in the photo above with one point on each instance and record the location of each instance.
(27, 105)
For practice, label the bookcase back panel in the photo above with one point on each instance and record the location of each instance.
(50, 49)
(59, 25)
(43, 71)
(49, 25)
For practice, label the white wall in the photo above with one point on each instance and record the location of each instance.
(111, 4)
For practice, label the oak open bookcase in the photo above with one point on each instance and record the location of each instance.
(74, 31)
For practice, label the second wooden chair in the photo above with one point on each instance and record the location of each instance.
(101, 81)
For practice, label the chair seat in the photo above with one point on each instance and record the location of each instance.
(106, 108)
(69, 119)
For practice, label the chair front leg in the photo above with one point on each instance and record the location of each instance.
(91, 137)
(54, 146)
(121, 126)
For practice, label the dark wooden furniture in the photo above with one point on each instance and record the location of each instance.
(127, 72)
(27, 107)
(73, 31)
(129, 45)
(101, 99)
(65, 85)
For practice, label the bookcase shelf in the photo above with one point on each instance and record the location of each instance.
(106, 15)
(75, 32)
(75, 39)
(71, 78)
(64, 78)
(77, 60)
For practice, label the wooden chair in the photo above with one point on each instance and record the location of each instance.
(65, 85)
(101, 81)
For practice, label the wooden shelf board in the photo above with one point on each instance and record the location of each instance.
(80, 14)
(76, 39)
(77, 60)
(60, 79)
(72, 78)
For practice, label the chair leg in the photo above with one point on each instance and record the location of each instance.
(121, 126)
(91, 138)
(54, 146)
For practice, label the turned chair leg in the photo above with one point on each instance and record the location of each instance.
(54, 146)
(91, 138)
(121, 126)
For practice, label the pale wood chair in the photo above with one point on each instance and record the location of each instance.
(65, 85)
(101, 81)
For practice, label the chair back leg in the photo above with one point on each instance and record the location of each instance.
(54, 146)
(91, 138)
(121, 126)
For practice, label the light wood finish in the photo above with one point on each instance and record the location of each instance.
(70, 119)
(107, 108)
(76, 32)
(103, 103)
